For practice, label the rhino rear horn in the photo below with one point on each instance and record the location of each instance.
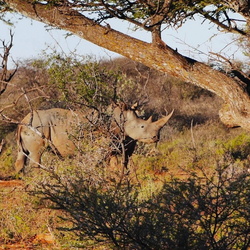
(161, 122)
(149, 120)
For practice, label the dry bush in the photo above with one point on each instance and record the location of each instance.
(160, 94)
(28, 89)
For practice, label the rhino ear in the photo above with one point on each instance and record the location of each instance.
(134, 106)
(161, 122)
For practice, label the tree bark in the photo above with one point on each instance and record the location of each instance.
(235, 112)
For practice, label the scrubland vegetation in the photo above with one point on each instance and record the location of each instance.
(190, 191)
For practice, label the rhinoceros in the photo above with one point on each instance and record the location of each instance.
(53, 127)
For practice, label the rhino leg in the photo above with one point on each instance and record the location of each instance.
(35, 150)
(32, 147)
(35, 158)
(20, 161)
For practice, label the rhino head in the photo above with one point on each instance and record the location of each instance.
(136, 128)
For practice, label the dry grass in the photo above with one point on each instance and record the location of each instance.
(198, 150)
(21, 219)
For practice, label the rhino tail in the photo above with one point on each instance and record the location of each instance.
(18, 137)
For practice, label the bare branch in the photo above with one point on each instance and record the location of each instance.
(221, 25)
(1, 145)
(6, 76)
(24, 93)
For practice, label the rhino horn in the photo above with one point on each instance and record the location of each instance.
(161, 122)
(149, 120)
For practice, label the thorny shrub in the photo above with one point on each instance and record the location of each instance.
(202, 212)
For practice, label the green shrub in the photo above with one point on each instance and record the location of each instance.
(80, 80)
(238, 147)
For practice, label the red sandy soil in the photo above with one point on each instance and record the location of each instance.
(40, 241)
(37, 242)
(11, 183)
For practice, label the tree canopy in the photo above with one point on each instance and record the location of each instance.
(90, 20)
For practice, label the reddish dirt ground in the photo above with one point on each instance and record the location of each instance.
(10, 183)
(39, 241)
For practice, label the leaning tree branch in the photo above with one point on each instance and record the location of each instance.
(1, 145)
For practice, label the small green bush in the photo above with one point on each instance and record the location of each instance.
(238, 147)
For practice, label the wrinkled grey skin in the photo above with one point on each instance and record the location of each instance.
(52, 127)
(136, 128)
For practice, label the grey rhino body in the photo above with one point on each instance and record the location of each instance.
(42, 128)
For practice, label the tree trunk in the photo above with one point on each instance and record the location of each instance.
(235, 112)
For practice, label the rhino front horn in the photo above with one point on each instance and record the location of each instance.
(161, 122)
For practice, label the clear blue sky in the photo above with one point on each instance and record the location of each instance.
(32, 37)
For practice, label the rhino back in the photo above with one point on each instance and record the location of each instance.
(62, 128)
